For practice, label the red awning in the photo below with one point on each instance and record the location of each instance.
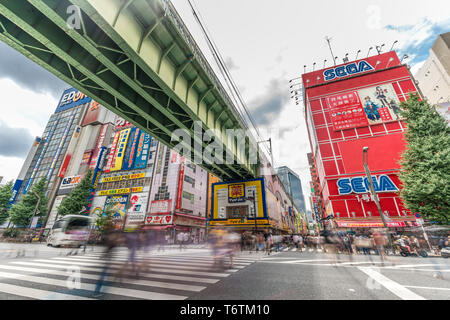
(190, 216)
(157, 227)
(370, 224)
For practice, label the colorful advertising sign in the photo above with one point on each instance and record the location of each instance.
(180, 184)
(120, 191)
(60, 146)
(142, 151)
(136, 213)
(118, 205)
(98, 145)
(160, 206)
(124, 177)
(98, 204)
(95, 178)
(380, 103)
(15, 190)
(120, 151)
(112, 152)
(70, 149)
(71, 98)
(70, 182)
(121, 123)
(38, 162)
(361, 185)
(130, 152)
(236, 193)
(159, 220)
(92, 113)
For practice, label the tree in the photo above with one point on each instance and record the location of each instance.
(78, 198)
(22, 212)
(425, 164)
(5, 196)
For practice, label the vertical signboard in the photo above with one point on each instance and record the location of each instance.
(69, 151)
(142, 151)
(118, 205)
(130, 152)
(120, 151)
(136, 213)
(95, 178)
(92, 114)
(38, 162)
(112, 152)
(180, 184)
(98, 145)
(59, 148)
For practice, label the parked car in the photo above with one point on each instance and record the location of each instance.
(445, 252)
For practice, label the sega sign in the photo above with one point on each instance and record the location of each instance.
(71, 98)
(361, 185)
(347, 70)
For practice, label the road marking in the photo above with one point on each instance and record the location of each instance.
(419, 265)
(167, 285)
(391, 285)
(177, 270)
(91, 287)
(37, 293)
(430, 288)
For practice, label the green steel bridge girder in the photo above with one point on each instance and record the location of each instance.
(114, 74)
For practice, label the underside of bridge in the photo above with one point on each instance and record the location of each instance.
(137, 58)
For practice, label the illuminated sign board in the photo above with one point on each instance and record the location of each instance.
(236, 193)
(71, 98)
(125, 177)
(119, 191)
(120, 151)
(347, 70)
(70, 182)
(361, 185)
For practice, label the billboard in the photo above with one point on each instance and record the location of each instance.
(95, 178)
(136, 213)
(121, 123)
(142, 152)
(130, 152)
(120, 150)
(160, 206)
(92, 113)
(15, 190)
(70, 148)
(97, 206)
(364, 107)
(70, 182)
(118, 205)
(159, 220)
(112, 152)
(222, 208)
(98, 145)
(71, 98)
(180, 183)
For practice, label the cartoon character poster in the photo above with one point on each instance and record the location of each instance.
(380, 103)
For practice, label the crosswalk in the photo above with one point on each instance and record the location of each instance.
(169, 276)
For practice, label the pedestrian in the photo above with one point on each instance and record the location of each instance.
(186, 238)
(180, 239)
(300, 243)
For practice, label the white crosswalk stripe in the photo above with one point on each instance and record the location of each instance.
(173, 276)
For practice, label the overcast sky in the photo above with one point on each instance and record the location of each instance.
(265, 44)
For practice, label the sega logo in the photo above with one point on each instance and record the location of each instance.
(347, 70)
(361, 185)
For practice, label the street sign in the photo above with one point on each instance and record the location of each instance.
(418, 215)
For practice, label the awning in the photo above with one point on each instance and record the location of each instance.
(147, 227)
(371, 224)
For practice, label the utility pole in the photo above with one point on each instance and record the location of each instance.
(329, 45)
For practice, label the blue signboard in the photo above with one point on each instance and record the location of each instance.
(130, 152)
(71, 98)
(15, 190)
(142, 152)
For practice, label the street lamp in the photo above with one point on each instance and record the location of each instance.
(370, 181)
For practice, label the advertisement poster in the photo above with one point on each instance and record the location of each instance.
(142, 151)
(120, 150)
(112, 152)
(71, 98)
(118, 205)
(92, 113)
(98, 145)
(97, 206)
(158, 220)
(380, 103)
(180, 184)
(138, 201)
(121, 123)
(236, 193)
(70, 182)
(130, 152)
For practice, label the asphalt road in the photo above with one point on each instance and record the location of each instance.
(49, 273)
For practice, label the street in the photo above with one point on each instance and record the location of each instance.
(47, 273)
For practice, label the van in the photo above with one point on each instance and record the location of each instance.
(70, 231)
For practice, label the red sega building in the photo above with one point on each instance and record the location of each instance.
(348, 107)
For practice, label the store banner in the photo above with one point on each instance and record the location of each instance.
(92, 114)
(70, 182)
(15, 190)
(180, 184)
(120, 191)
(124, 177)
(120, 150)
(142, 152)
(159, 220)
(160, 207)
(98, 145)
(70, 149)
(112, 152)
(130, 152)
(71, 98)
(98, 204)
(121, 123)
(95, 178)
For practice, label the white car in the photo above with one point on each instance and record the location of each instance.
(445, 252)
(70, 231)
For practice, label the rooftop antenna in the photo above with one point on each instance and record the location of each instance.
(328, 39)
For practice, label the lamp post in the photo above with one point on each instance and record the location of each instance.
(36, 210)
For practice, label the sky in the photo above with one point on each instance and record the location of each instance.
(264, 44)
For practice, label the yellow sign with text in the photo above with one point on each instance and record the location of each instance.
(249, 222)
(124, 177)
(120, 191)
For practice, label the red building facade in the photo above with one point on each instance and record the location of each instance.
(348, 107)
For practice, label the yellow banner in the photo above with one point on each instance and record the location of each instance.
(120, 191)
(124, 177)
(238, 222)
(120, 151)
